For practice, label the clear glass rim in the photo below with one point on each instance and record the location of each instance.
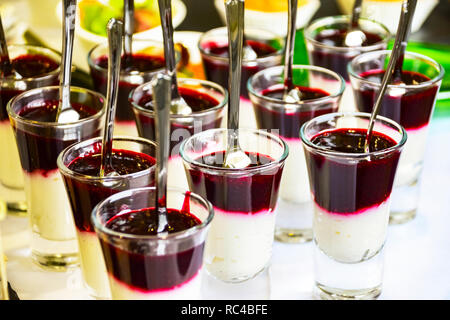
(298, 67)
(35, 123)
(42, 77)
(336, 115)
(268, 135)
(352, 73)
(344, 18)
(79, 176)
(225, 59)
(170, 236)
(201, 113)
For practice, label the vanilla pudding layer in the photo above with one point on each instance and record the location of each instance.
(294, 185)
(247, 117)
(349, 238)
(176, 175)
(410, 164)
(239, 245)
(48, 205)
(190, 290)
(347, 103)
(11, 175)
(93, 264)
(125, 128)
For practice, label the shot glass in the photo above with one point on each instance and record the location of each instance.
(146, 60)
(324, 37)
(239, 244)
(213, 46)
(351, 192)
(161, 266)
(40, 139)
(79, 164)
(208, 101)
(321, 91)
(36, 67)
(411, 104)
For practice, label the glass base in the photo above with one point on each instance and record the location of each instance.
(294, 222)
(401, 217)
(327, 293)
(54, 255)
(290, 235)
(236, 279)
(15, 200)
(404, 202)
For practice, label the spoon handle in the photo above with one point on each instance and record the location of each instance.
(165, 12)
(69, 14)
(356, 13)
(115, 33)
(401, 40)
(5, 63)
(162, 101)
(290, 44)
(235, 25)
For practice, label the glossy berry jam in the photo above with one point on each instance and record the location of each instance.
(412, 110)
(289, 123)
(179, 131)
(346, 187)
(85, 194)
(335, 61)
(145, 272)
(216, 70)
(249, 193)
(39, 151)
(26, 66)
(139, 63)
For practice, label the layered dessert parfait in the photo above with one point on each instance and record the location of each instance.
(207, 101)
(133, 161)
(326, 46)
(40, 139)
(144, 264)
(239, 244)
(136, 69)
(267, 51)
(409, 100)
(33, 67)
(351, 187)
(321, 91)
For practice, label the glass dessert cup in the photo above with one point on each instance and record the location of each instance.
(147, 60)
(213, 46)
(239, 244)
(351, 192)
(321, 38)
(163, 266)
(411, 104)
(11, 177)
(86, 189)
(322, 90)
(40, 140)
(182, 127)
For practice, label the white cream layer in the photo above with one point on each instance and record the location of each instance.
(247, 117)
(125, 128)
(176, 175)
(11, 175)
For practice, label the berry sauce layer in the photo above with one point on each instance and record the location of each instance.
(25, 66)
(289, 123)
(198, 101)
(84, 195)
(144, 272)
(217, 71)
(335, 61)
(252, 193)
(137, 62)
(349, 187)
(412, 110)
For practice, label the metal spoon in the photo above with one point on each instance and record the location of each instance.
(128, 22)
(178, 106)
(162, 100)
(404, 28)
(6, 67)
(291, 92)
(115, 33)
(235, 157)
(65, 113)
(355, 37)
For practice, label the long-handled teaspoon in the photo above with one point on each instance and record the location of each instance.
(128, 22)
(115, 32)
(404, 28)
(5, 63)
(354, 36)
(178, 106)
(234, 156)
